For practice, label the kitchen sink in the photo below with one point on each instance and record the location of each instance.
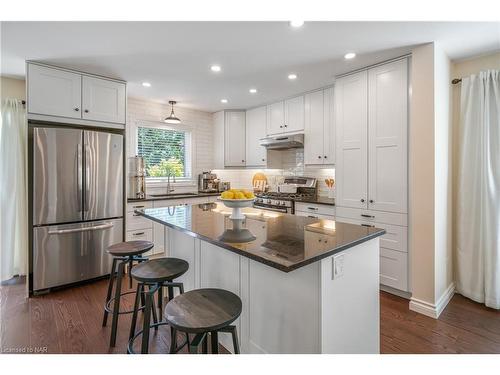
(174, 195)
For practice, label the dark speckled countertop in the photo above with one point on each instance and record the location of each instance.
(317, 200)
(285, 242)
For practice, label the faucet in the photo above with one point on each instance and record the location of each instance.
(170, 189)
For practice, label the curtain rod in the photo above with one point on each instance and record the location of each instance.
(456, 81)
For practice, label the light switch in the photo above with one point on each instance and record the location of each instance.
(338, 266)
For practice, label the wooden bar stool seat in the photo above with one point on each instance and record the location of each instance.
(156, 274)
(204, 311)
(123, 253)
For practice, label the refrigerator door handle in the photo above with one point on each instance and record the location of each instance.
(79, 175)
(87, 177)
(85, 229)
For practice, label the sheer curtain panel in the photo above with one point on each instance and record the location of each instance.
(478, 206)
(13, 189)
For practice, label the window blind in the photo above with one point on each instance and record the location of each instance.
(164, 152)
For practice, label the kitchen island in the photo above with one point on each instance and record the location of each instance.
(307, 285)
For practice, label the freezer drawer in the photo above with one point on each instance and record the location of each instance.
(64, 254)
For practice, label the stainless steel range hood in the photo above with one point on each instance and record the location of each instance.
(283, 142)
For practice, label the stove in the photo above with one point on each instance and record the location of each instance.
(284, 202)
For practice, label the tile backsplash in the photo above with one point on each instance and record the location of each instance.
(293, 165)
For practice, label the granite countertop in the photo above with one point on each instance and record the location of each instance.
(317, 200)
(283, 241)
(172, 196)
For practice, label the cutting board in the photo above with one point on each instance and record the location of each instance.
(259, 181)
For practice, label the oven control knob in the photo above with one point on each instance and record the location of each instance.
(283, 203)
(268, 201)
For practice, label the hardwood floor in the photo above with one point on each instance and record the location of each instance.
(69, 321)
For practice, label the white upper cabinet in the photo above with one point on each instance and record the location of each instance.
(286, 116)
(103, 100)
(218, 139)
(314, 128)
(387, 137)
(319, 131)
(54, 92)
(275, 118)
(255, 130)
(73, 97)
(294, 114)
(351, 169)
(234, 139)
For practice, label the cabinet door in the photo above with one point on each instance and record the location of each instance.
(54, 92)
(351, 138)
(387, 137)
(314, 128)
(328, 126)
(294, 114)
(255, 130)
(234, 139)
(218, 140)
(275, 118)
(103, 100)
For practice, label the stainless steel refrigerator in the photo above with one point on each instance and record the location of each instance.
(77, 204)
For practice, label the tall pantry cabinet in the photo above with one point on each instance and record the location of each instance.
(371, 119)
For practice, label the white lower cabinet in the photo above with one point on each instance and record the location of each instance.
(141, 235)
(393, 244)
(319, 211)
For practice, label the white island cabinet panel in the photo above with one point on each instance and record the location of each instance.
(307, 310)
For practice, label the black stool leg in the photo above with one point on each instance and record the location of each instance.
(205, 345)
(215, 342)
(153, 306)
(173, 340)
(234, 335)
(110, 290)
(116, 308)
(136, 308)
(160, 301)
(130, 262)
(146, 323)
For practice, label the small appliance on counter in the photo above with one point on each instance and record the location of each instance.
(208, 182)
(224, 186)
(137, 178)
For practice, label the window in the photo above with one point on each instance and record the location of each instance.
(165, 151)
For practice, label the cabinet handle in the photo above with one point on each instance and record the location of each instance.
(371, 200)
(76, 109)
(370, 216)
(362, 200)
(138, 234)
(312, 208)
(138, 206)
(368, 225)
(86, 111)
(314, 217)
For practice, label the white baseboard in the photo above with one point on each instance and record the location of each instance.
(433, 310)
(397, 292)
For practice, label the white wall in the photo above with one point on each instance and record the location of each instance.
(12, 88)
(430, 180)
(202, 125)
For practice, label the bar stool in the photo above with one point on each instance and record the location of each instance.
(156, 274)
(203, 311)
(123, 253)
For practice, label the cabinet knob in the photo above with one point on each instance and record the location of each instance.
(362, 200)
(371, 201)
(319, 156)
(324, 156)
(243, 161)
(76, 109)
(86, 111)
(286, 126)
(281, 126)
(263, 159)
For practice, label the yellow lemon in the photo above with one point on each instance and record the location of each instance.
(249, 194)
(239, 195)
(227, 195)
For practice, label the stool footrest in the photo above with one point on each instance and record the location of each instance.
(130, 346)
(108, 308)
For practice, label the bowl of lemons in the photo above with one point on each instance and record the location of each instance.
(237, 199)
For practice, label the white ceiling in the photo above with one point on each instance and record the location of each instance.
(175, 57)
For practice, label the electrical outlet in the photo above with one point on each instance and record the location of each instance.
(338, 266)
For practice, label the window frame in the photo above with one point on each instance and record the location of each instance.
(190, 147)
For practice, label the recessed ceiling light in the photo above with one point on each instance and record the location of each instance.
(292, 76)
(146, 84)
(349, 55)
(215, 68)
(296, 23)
(252, 91)
(223, 101)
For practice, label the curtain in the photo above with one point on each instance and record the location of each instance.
(478, 206)
(13, 189)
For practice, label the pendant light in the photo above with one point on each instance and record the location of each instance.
(172, 119)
